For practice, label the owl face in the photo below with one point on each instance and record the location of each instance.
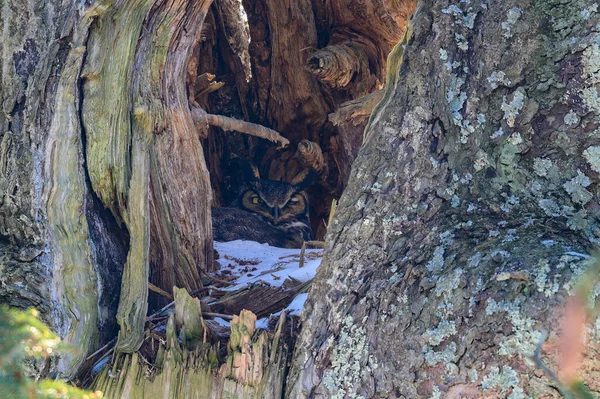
(278, 202)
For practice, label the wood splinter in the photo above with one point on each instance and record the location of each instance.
(227, 123)
(337, 65)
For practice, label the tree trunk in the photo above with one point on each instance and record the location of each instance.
(103, 181)
(95, 115)
(470, 213)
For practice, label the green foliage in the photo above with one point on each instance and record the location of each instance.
(22, 336)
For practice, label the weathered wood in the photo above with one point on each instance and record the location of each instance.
(75, 278)
(262, 300)
(230, 124)
(254, 367)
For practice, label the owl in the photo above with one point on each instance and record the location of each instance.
(266, 211)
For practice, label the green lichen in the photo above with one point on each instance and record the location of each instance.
(591, 74)
(524, 339)
(436, 393)
(571, 119)
(447, 355)
(447, 284)
(436, 336)
(541, 271)
(498, 77)
(587, 12)
(541, 166)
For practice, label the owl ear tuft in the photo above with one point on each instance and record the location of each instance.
(247, 171)
(304, 179)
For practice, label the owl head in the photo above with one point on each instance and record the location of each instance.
(278, 202)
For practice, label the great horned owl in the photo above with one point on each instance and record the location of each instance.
(267, 211)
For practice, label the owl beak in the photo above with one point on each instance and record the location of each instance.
(275, 213)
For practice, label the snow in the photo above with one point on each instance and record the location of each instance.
(294, 308)
(261, 263)
(255, 263)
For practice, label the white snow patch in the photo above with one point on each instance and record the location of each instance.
(261, 263)
(254, 263)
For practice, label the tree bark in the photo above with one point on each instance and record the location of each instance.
(470, 212)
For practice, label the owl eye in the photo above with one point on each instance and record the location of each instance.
(294, 200)
(256, 200)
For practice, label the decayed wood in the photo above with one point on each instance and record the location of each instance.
(262, 300)
(351, 119)
(205, 84)
(66, 195)
(338, 65)
(311, 156)
(253, 129)
(356, 111)
(253, 369)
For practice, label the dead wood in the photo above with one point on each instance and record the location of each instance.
(205, 84)
(338, 65)
(311, 156)
(262, 300)
(231, 124)
(160, 291)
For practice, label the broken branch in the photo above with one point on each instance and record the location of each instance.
(227, 123)
(337, 65)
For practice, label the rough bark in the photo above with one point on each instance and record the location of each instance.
(469, 214)
(95, 115)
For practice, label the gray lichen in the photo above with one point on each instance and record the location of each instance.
(511, 108)
(348, 362)
(504, 379)
(512, 16)
(576, 188)
(592, 155)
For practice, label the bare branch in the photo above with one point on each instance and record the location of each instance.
(252, 129)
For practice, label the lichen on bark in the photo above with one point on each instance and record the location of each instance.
(448, 248)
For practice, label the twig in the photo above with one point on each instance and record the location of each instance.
(252, 129)
(111, 342)
(159, 291)
(221, 315)
(318, 244)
